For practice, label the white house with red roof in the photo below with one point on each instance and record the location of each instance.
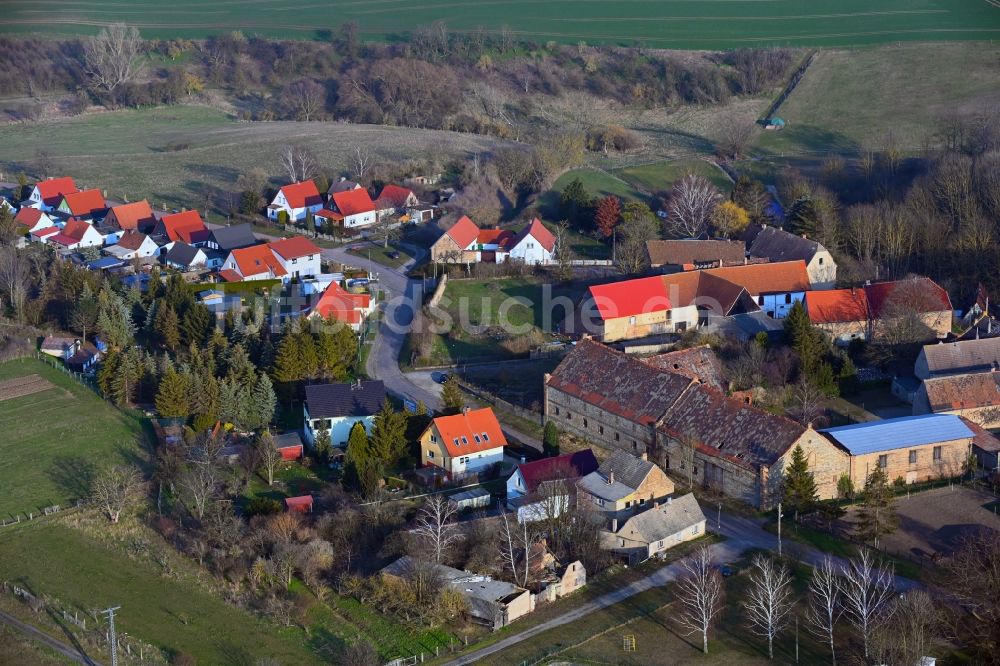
(296, 200)
(75, 235)
(133, 245)
(30, 220)
(395, 199)
(534, 245)
(256, 262)
(48, 194)
(355, 206)
(543, 489)
(464, 443)
(85, 205)
(186, 226)
(343, 306)
(298, 255)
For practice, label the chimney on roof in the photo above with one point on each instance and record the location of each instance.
(465, 410)
(614, 524)
(669, 499)
(643, 456)
(523, 460)
(611, 477)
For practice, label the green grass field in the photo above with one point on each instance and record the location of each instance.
(172, 613)
(659, 176)
(850, 100)
(170, 154)
(54, 440)
(686, 24)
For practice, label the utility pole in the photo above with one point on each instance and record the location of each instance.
(112, 637)
(779, 529)
(718, 522)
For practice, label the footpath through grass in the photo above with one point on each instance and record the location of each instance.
(55, 440)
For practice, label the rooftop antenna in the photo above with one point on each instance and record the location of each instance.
(112, 637)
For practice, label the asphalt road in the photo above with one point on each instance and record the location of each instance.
(741, 534)
(62, 648)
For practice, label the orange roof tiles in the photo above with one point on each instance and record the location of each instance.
(294, 247)
(630, 297)
(129, 216)
(87, 202)
(538, 231)
(302, 194)
(471, 431)
(256, 260)
(28, 216)
(353, 202)
(500, 237)
(395, 194)
(463, 232)
(835, 306)
(55, 188)
(773, 278)
(180, 226)
(76, 229)
(342, 305)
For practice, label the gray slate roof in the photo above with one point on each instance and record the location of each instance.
(663, 521)
(464, 582)
(967, 356)
(332, 400)
(779, 245)
(181, 254)
(629, 473)
(234, 237)
(694, 251)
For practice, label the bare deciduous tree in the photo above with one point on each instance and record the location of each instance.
(769, 599)
(514, 540)
(825, 608)
(436, 526)
(700, 591)
(692, 200)
(15, 278)
(805, 404)
(307, 98)
(115, 489)
(299, 163)
(361, 161)
(111, 58)
(268, 455)
(910, 632)
(199, 483)
(867, 588)
(972, 577)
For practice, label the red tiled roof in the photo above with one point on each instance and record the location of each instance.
(463, 232)
(395, 194)
(87, 202)
(342, 305)
(331, 214)
(229, 275)
(835, 306)
(55, 188)
(28, 216)
(630, 297)
(538, 231)
(132, 240)
(963, 391)
(302, 503)
(500, 237)
(471, 431)
(566, 466)
(779, 277)
(257, 259)
(302, 194)
(181, 226)
(47, 231)
(129, 216)
(76, 228)
(294, 247)
(64, 240)
(353, 202)
(921, 293)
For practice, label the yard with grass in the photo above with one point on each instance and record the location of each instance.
(660, 176)
(176, 154)
(678, 25)
(56, 439)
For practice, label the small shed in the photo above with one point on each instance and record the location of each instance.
(477, 498)
(301, 504)
(289, 445)
(774, 123)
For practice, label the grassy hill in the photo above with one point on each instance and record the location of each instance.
(656, 23)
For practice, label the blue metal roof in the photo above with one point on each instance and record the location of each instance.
(873, 436)
(104, 262)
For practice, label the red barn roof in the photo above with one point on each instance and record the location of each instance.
(302, 503)
(471, 431)
(353, 202)
(500, 237)
(302, 195)
(921, 293)
(27, 216)
(342, 305)
(630, 297)
(566, 466)
(773, 278)
(87, 202)
(181, 226)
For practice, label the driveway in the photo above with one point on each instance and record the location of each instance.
(741, 534)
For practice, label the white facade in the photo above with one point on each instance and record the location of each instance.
(475, 462)
(280, 203)
(43, 223)
(822, 270)
(778, 305)
(530, 251)
(301, 267)
(148, 248)
(360, 219)
(339, 427)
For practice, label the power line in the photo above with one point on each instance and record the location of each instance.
(112, 637)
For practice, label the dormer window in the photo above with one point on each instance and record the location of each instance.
(465, 440)
(476, 437)
(456, 441)
(486, 437)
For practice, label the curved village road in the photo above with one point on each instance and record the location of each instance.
(741, 534)
(66, 650)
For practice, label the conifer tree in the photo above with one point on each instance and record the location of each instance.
(451, 396)
(172, 399)
(168, 327)
(550, 439)
(288, 365)
(799, 487)
(877, 515)
(388, 439)
(263, 402)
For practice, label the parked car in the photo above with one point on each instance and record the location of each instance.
(394, 254)
(442, 377)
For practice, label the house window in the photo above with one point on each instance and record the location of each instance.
(913, 457)
(430, 454)
(937, 454)
(631, 321)
(434, 438)
(821, 261)
(642, 501)
(455, 441)
(635, 446)
(617, 437)
(628, 504)
(478, 440)
(600, 429)
(883, 460)
(760, 300)
(486, 437)
(694, 530)
(585, 423)
(465, 440)
(788, 298)
(557, 411)
(659, 544)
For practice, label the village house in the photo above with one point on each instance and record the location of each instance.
(31, 220)
(294, 202)
(975, 397)
(133, 245)
(452, 247)
(463, 444)
(652, 532)
(76, 234)
(252, 263)
(872, 311)
(87, 205)
(693, 254)
(774, 286)
(186, 226)
(78, 355)
(224, 240)
(778, 245)
(355, 207)
(618, 402)
(534, 245)
(337, 407)
(136, 216)
(340, 305)
(342, 185)
(44, 234)
(184, 257)
(623, 485)
(464, 242)
(544, 488)
(46, 195)
(492, 603)
(555, 579)
(298, 255)
(394, 199)
(912, 448)
(961, 357)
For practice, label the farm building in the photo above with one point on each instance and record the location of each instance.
(657, 529)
